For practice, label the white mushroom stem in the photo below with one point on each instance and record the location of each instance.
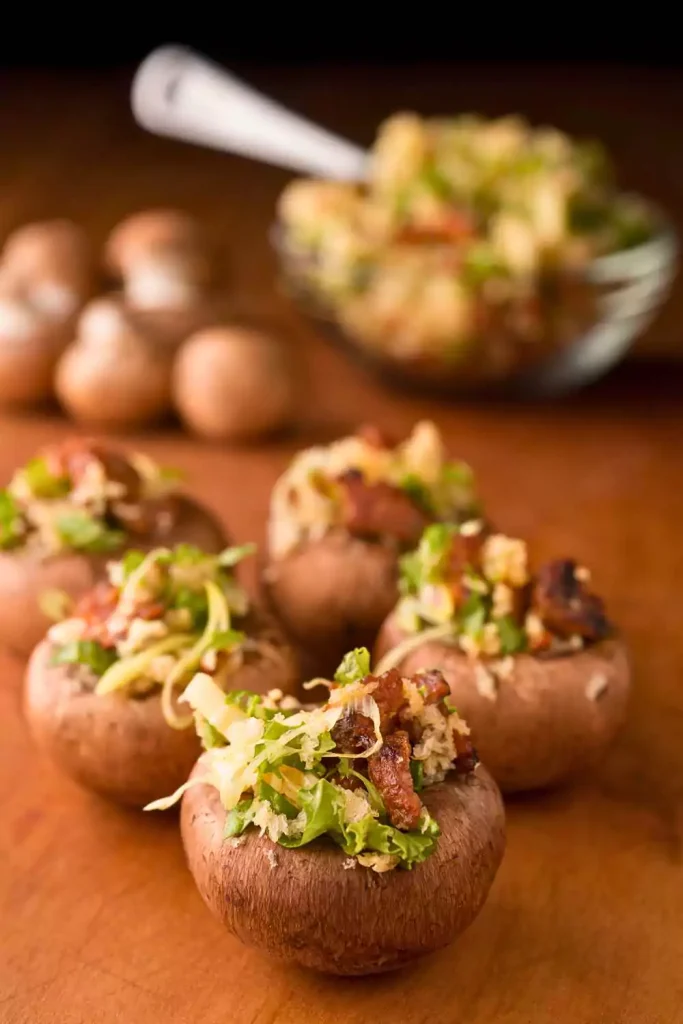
(54, 300)
(103, 324)
(160, 285)
(19, 320)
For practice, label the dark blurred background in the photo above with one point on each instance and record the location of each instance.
(643, 34)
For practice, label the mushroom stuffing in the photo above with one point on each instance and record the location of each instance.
(69, 509)
(532, 660)
(339, 518)
(379, 781)
(102, 687)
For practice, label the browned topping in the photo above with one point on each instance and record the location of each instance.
(564, 604)
(353, 733)
(465, 551)
(467, 759)
(95, 609)
(379, 510)
(389, 697)
(432, 686)
(375, 437)
(389, 770)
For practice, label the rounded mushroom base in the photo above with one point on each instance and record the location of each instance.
(331, 596)
(319, 909)
(119, 747)
(544, 722)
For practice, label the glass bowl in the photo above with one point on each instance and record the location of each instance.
(588, 321)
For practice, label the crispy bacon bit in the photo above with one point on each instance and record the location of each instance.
(389, 697)
(453, 226)
(467, 758)
(432, 686)
(465, 551)
(379, 510)
(389, 770)
(95, 609)
(354, 733)
(375, 437)
(564, 604)
(150, 610)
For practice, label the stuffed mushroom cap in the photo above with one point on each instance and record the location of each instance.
(102, 688)
(340, 517)
(533, 663)
(310, 907)
(350, 837)
(539, 721)
(68, 512)
(119, 747)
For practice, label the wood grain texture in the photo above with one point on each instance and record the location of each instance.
(100, 921)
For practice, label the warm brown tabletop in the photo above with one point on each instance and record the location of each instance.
(99, 920)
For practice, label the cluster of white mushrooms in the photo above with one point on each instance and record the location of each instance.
(122, 346)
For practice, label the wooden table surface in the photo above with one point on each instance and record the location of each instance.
(99, 920)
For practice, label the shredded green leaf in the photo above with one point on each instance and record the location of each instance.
(131, 561)
(355, 665)
(83, 532)
(85, 652)
(231, 557)
(10, 521)
(424, 565)
(42, 483)
(512, 637)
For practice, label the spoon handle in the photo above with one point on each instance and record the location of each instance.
(179, 93)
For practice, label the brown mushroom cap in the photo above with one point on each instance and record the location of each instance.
(123, 747)
(304, 905)
(158, 234)
(549, 720)
(234, 383)
(24, 575)
(112, 376)
(332, 595)
(50, 253)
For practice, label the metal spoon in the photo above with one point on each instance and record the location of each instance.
(181, 94)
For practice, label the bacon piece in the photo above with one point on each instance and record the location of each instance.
(353, 733)
(389, 770)
(150, 610)
(432, 686)
(466, 759)
(379, 510)
(375, 437)
(465, 552)
(95, 608)
(389, 698)
(564, 604)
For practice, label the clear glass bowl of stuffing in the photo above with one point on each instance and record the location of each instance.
(478, 254)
